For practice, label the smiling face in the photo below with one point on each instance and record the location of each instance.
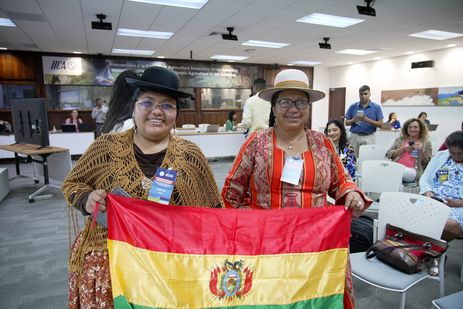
(334, 133)
(154, 122)
(414, 129)
(291, 118)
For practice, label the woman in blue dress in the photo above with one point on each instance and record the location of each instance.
(336, 131)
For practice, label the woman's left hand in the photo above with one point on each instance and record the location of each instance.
(355, 202)
(454, 203)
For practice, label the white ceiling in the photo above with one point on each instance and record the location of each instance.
(65, 26)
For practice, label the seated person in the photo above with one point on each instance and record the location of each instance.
(443, 179)
(412, 149)
(230, 125)
(74, 119)
(395, 123)
(423, 116)
(336, 131)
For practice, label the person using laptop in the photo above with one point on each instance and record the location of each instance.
(230, 125)
(412, 149)
(74, 119)
(424, 116)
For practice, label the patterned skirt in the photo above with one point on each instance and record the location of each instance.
(90, 287)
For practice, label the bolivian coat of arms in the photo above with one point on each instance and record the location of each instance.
(230, 280)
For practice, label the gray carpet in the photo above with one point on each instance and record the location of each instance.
(34, 249)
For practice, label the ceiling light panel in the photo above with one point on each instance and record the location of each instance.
(144, 34)
(7, 22)
(329, 20)
(305, 62)
(191, 4)
(265, 44)
(133, 51)
(436, 35)
(358, 52)
(228, 57)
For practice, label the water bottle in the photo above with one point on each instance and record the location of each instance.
(414, 153)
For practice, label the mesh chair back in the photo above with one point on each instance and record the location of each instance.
(413, 212)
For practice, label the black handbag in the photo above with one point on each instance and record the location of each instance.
(361, 234)
(406, 251)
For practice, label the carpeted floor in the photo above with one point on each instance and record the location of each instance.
(34, 247)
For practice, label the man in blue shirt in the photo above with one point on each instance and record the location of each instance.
(363, 117)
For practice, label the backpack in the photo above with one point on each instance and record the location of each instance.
(361, 234)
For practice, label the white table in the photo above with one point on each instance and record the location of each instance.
(76, 142)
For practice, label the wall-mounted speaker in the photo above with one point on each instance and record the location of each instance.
(423, 64)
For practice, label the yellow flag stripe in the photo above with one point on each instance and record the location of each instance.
(159, 279)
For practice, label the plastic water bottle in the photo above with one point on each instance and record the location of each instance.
(414, 153)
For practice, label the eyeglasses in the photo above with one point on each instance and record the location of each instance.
(164, 106)
(287, 103)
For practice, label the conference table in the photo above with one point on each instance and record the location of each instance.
(39, 155)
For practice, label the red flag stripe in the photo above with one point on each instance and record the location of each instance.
(265, 232)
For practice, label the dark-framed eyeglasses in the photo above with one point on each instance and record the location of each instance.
(165, 106)
(287, 103)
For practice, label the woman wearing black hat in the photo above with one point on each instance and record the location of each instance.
(129, 160)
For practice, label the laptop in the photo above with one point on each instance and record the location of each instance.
(212, 128)
(85, 127)
(432, 127)
(68, 128)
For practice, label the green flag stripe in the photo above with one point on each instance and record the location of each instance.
(332, 302)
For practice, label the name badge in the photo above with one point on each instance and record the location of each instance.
(442, 175)
(292, 170)
(162, 186)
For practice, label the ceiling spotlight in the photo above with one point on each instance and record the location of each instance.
(229, 36)
(101, 25)
(367, 9)
(325, 45)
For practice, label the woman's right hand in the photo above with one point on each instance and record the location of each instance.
(96, 196)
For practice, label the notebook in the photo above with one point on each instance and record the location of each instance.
(212, 128)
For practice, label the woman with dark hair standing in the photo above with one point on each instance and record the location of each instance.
(129, 160)
(336, 131)
(120, 109)
(230, 125)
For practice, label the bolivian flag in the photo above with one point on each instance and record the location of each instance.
(189, 257)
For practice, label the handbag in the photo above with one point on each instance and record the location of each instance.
(406, 251)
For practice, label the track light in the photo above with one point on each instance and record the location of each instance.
(325, 45)
(367, 9)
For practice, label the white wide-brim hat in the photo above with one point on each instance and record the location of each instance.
(291, 79)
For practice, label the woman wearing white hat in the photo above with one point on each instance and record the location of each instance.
(289, 165)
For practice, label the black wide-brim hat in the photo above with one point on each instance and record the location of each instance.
(161, 80)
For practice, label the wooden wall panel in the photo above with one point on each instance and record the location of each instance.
(20, 67)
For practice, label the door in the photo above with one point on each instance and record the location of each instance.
(337, 102)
